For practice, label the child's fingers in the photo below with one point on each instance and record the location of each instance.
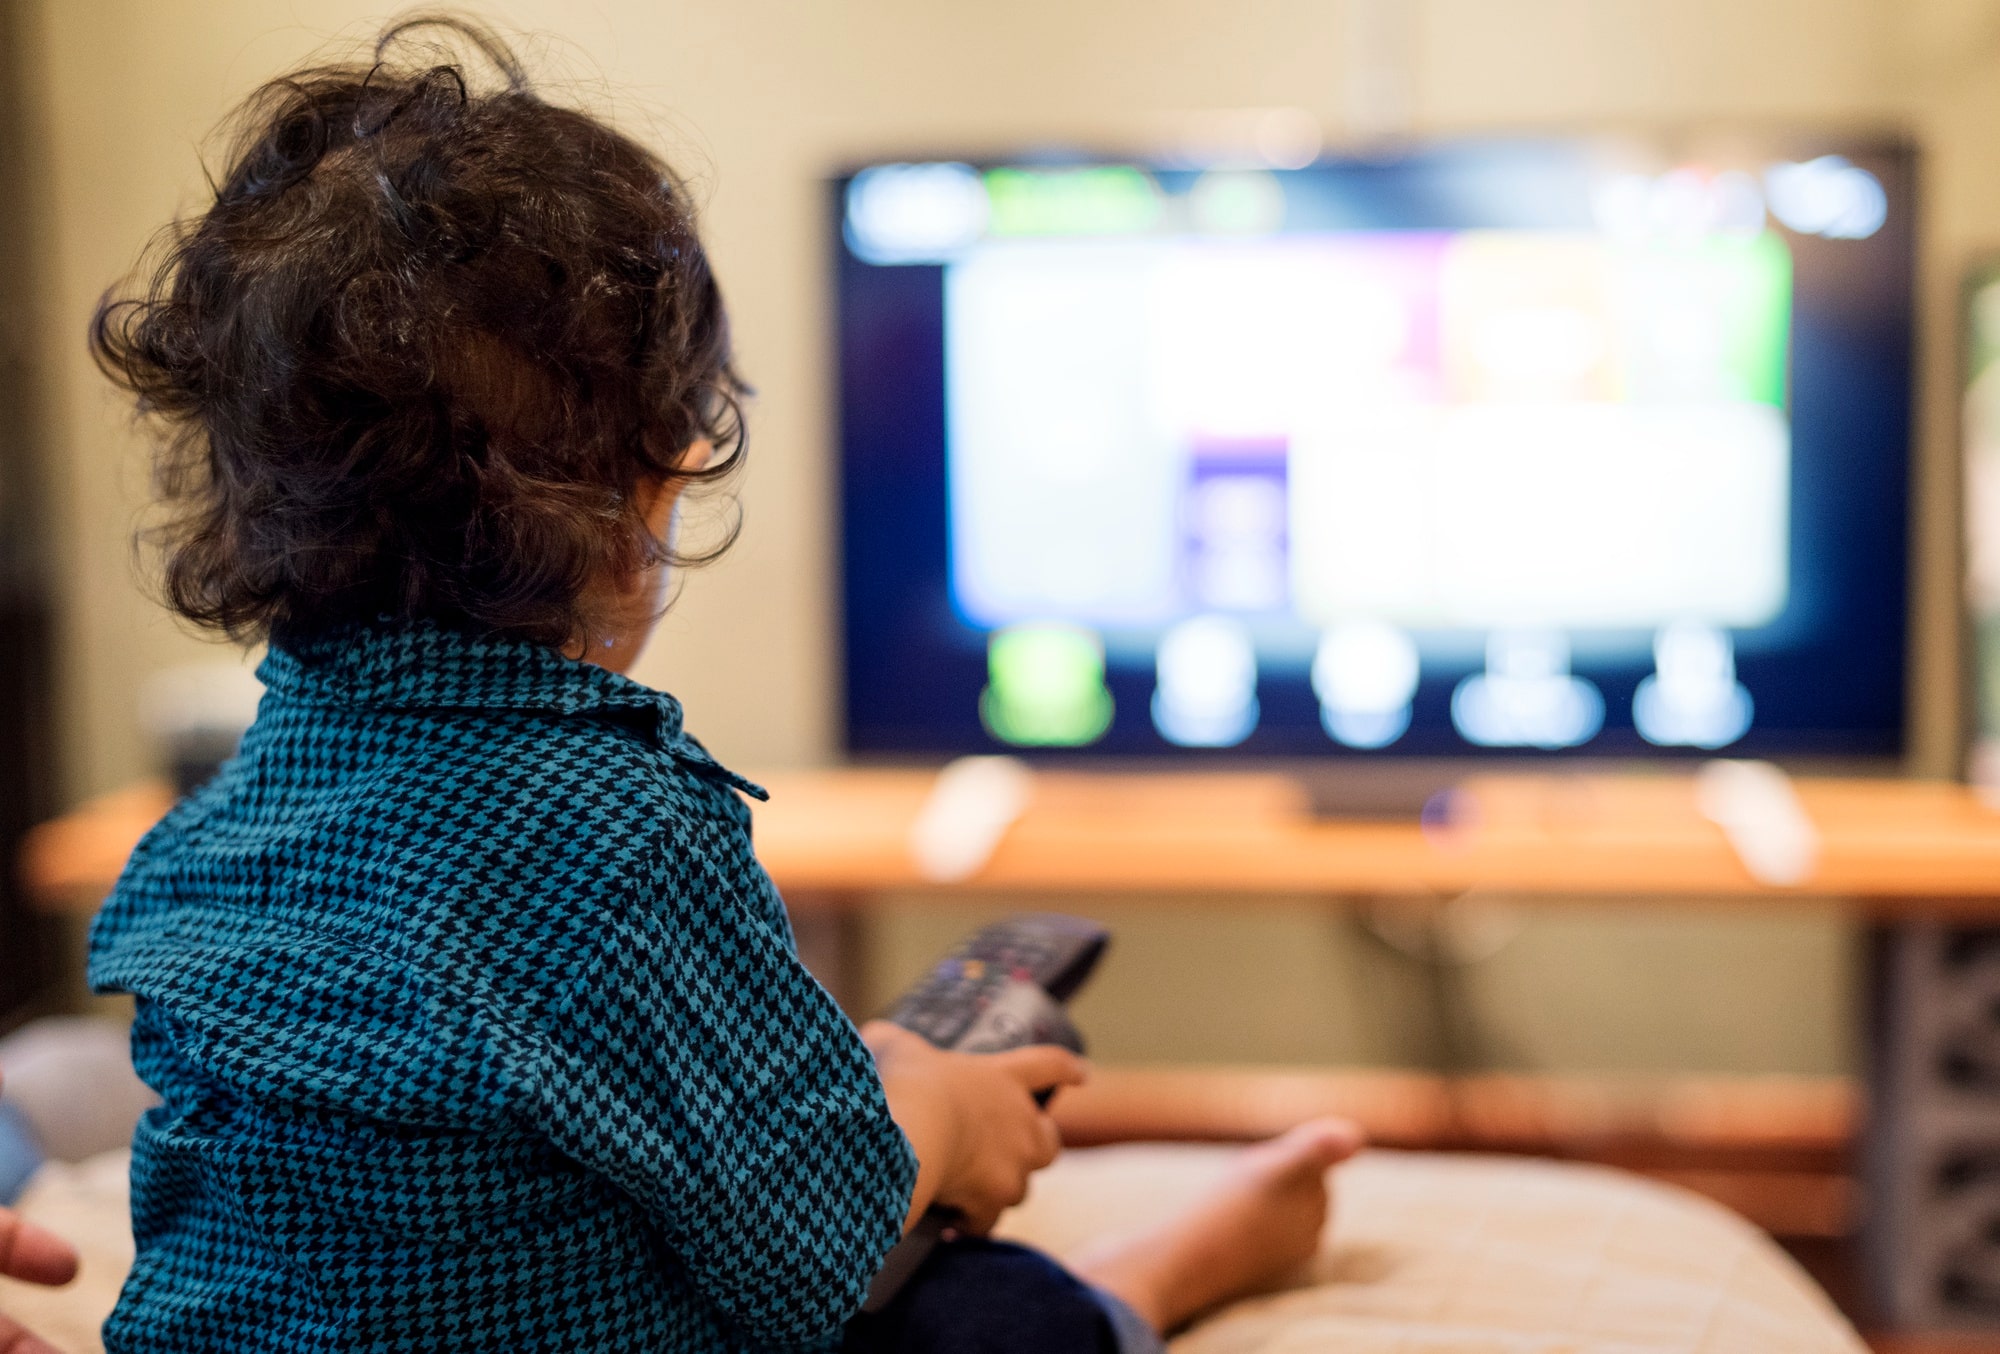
(29, 1253)
(1048, 1141)
(886, 1040)
(15, 1339)
(1043, 1067)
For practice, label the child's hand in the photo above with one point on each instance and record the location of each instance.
(31, 1254)
(971, 1118)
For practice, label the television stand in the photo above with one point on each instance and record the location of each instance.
(1382, 792)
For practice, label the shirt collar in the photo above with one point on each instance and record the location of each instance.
(426, 666)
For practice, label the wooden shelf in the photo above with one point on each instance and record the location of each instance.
(71, 862)
(1903, 845)
(831, 837)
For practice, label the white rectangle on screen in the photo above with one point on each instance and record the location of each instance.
(1063, 482)
(1573, 516)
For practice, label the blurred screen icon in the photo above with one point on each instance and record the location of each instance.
(1207, 690)
(1046, 686)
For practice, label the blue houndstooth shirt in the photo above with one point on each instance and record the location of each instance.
(478, 1027)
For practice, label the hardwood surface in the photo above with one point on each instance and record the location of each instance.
(830, 837)
(71, 862)
(1928, 843)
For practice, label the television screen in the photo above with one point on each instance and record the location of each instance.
(1513, 447)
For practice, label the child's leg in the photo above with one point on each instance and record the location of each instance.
(975, 1296)
(1261, 1222)
(986, 1297)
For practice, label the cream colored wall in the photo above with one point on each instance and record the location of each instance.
(758, 98)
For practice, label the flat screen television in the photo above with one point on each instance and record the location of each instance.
(1509, 448)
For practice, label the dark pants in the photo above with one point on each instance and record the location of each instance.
(974, 1296)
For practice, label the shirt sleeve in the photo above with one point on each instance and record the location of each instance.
(710, 1076)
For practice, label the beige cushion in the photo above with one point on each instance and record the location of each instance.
(1426, 1255)
(1431, 1254)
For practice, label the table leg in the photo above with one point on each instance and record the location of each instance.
(1931, 1157)
(832, 935)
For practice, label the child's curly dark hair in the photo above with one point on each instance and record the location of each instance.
(419, 353)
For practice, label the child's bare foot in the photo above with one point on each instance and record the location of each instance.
(1259, 1224)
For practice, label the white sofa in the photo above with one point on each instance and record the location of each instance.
(1426, 1255)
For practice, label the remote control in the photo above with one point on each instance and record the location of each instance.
(1053, 955)
(1003, 988)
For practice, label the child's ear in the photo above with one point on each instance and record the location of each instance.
(657, 497)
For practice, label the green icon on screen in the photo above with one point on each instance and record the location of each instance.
(1045, 686)
(1721, 307)
(1749, 284)
(1096, 200)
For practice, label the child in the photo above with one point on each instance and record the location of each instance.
(475, 1022)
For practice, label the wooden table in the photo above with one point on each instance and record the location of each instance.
(835, 839)
(1919, 861)
(1898, 847)
(832, 838)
